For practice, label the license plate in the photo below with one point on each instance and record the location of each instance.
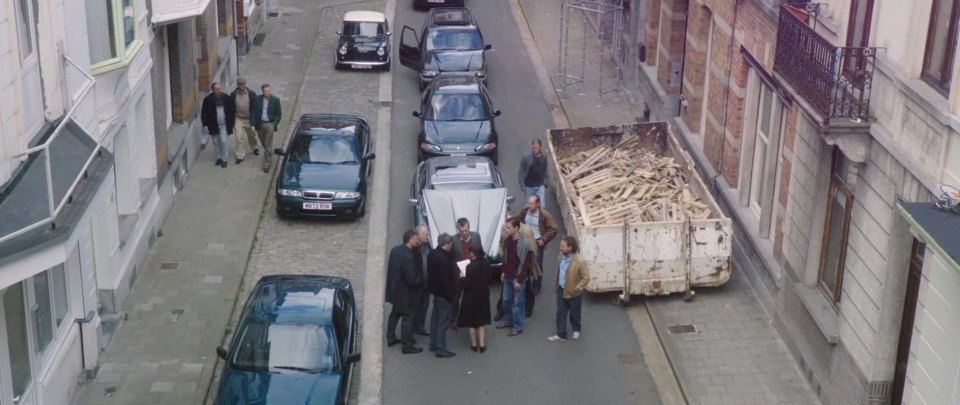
(434, 1)
(324, 206)
(355, 66)
(458, 154)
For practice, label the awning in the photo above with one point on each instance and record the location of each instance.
(939, 227)
(169, 11)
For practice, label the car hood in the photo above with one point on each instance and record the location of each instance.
(451, 132)
(454, 61)
(298, 175)
(363, 43)
(246, 387)
(485, 209)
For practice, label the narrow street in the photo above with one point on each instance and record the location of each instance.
(605, 365)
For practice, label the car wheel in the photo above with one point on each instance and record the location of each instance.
(495, 157)
(337, 66)
(420, 155)
(422, 85)
(363, 208)
(280, 213)
(386, 68)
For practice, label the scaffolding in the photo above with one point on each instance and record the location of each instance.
(603, 18)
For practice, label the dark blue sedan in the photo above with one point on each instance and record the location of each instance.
(296, 343)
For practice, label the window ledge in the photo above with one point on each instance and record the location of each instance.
(110, 65)
(823, 314)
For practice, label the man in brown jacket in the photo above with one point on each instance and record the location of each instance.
(544, 230)
(572, 279)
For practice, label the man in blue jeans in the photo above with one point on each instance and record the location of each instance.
(572, 279)
(518, 258)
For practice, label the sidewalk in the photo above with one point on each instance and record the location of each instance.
(734, 356)
(178, 310)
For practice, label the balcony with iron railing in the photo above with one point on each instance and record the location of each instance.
(835, 81)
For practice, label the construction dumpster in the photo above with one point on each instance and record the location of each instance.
(645, 221)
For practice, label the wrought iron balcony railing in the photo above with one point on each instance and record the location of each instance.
(834, 80)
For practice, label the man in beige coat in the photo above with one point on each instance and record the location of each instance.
(572, 279)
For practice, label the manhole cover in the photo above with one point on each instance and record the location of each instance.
(170, 266)
(177, 311)
(680, 329)
(627, 358)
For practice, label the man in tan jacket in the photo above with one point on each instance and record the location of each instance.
(572, 279)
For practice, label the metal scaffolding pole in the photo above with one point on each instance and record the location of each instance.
(608, 27)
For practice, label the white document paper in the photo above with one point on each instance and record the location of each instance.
(463, 267)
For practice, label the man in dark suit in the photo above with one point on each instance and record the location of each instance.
(442, 281)
(462, 244)
(217, 115)
(404, 289)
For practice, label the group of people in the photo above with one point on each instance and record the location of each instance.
(256, 118)
(415, 271)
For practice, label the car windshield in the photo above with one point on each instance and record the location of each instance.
(454, 40)
(273, 347)
(330, 149)
(456, 107)
(465, 185)
(362, 29)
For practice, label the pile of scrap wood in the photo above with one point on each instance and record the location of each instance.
(612, 184)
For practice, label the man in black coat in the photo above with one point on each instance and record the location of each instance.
(217, 114)
(404, 289)
(443, 280)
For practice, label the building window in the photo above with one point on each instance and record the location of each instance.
(112, 32)
(25, 27)
(222, 17)
(836, 228)
(14, 310)
(941, 41)
(768, 125)
(49, 305)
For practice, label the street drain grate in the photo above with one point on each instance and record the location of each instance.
(170, 266)
(177, 312)
(681, 329)
(627, 358)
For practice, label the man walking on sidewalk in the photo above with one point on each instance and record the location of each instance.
(572, 279)
(217, 116)
(404, 288)
(265, 117)
(544, 230)
(242, 97)
(423, 252)
(518, 259)
(444, 277)
(462, 245)
(533, 171)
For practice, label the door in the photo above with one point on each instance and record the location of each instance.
(32, 105)
(906, 324)
(410, 48)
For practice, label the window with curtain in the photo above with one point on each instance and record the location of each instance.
(111, 31)
(941, 43)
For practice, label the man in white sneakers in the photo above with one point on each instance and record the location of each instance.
(572, 279)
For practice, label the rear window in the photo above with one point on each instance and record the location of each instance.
(454, 40)
(363, 29)
(273, 347)
(456, 107)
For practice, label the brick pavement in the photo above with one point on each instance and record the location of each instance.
(177, 312)
(735, 356)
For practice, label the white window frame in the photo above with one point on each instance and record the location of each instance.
(125, 53)
(32, 102)
(758, 185)
(44, 355)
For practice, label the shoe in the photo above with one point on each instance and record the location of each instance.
(203, 145)
(483, 349)
(434, 349)
(256, 152)
(514, 333)
(236, 162)
(556, 338)
(454, 328)
(423, 333)
(445, 354)
(576, 335)
(266, 170)
(412, 350)
(528, 314)
(474, 348)
(504, 325)
(219, 163)
(391, 342)
(223, 165)
(498, 317)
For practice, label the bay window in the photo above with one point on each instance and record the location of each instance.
(112, 32)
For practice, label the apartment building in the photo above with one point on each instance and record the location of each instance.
(824, 134)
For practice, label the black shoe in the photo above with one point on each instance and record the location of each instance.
(412, 350)
(423, 333)
(445, 354)
(434, 349)
(256, 152)
(391, 342)
(527, 314)
(483, 349)
(266, 170)
(474, 348)
(219, 163)
(498, 317)
(223, 165)
(236, 162)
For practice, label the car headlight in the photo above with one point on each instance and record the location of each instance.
(381, 51)
(290, 193)
(430, 73)
(429, 147)
(343, 49)
(347, 195)
(485, 147)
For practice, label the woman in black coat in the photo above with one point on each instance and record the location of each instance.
(475, 305)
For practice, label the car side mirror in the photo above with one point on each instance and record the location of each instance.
(496, 113)
(389, 33)
(338, 33)
(412, 201)
(487, 47)
(352, 358)
(279, 152)
(510, 199)
(221, 352)
(370, 155)
(417, 114)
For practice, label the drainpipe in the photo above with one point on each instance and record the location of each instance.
(726, 94)
(683, 55)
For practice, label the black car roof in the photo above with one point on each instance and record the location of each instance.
(456, 84)
(295, 298)
(450, 16)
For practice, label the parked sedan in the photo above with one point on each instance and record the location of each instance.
(295, 343)
(325, 167)
(364, 41)
(427, 4)
(456, 119)
(451, 44)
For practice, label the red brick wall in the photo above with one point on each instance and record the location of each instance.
(651, 29)
(673, 16)
(207, 36)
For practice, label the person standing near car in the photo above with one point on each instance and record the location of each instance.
(217, 116)
(265, 118)
(475, 311)
(404, 288)
(517, 262)
(420, 321)
(462, 245)
(443, 279)
(242, 97)
(544, 230)
(533, 171)
(572, 279)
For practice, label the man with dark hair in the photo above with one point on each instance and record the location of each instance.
(423, 252)
(572, 279)
(462, 245)
(404, 288)
(444, 277)
(518, 260)
(533, 171)
(265, 118)
(544, 229)
(217, 116)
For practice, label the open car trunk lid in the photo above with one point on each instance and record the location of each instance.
(485, 209)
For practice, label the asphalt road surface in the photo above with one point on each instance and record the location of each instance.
(605, 366)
